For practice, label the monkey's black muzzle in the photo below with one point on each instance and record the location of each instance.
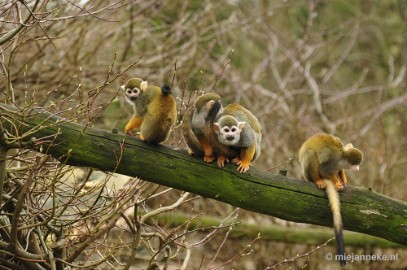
(230, 138)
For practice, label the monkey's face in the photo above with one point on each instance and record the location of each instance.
(228, 135)
(132, 94)
(345, 164)
(354, 168)
(133, 89)
(228, 130)
(354, 158)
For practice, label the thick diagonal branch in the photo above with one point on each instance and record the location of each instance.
(363, 210)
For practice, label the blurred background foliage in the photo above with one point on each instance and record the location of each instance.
(301, 67)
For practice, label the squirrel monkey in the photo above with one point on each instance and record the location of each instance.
(154, 110)
(323, 157)
(132, 90)
(195, 125)
(239, 130)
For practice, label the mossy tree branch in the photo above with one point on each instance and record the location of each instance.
(363, 210)
(275, 232)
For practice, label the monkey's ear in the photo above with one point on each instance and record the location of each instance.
(123, 87)
(216, 128)
(348, 146)
(209, 104)
(241, 125)
(143, 85)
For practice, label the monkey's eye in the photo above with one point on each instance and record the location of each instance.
(226, 130)
(233, 129)
(128, 90)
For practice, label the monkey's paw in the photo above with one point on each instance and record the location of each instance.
(221, 161)
(142, 137)
(338, 186)
(342, 178)
(243, 166)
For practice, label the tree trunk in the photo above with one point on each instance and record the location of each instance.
(363, 210)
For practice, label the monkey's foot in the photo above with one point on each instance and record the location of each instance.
(208, 153)
(320, 183)
(190, 153)
(208, 159)
(142, 137)
(221, 161)
(129, 133)
(243, 166)
(344, 182)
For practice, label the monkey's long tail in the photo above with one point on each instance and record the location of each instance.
(190, 139)
(214, 112)
(333, 198)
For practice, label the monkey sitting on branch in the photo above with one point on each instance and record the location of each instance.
(154, 110)
(323, 159)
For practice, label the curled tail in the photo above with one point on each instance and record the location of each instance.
(190, 139)
(334, 202)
